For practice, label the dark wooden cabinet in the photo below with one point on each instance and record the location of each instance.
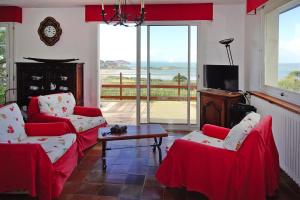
(215, 106)
(34, 79)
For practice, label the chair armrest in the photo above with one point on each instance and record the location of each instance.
(215, 131)
(47, 129)
(26, 167)
(43, 118)
(87, 111)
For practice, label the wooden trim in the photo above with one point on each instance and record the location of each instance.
(221, 93)
(284, 104)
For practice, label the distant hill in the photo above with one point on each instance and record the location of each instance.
(114, 64)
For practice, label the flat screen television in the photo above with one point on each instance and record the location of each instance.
(223, 77)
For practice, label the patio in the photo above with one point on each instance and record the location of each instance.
(124, 111)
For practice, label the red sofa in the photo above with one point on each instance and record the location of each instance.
(85, 138)
(40, 161)
(251, 172)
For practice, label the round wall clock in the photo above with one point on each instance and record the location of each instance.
(49, 31)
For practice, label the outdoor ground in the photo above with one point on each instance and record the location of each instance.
(124, 111)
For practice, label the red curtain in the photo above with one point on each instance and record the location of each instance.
(252, 5)
(156, 12)
(10, 14)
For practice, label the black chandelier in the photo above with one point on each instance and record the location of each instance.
(120, 17)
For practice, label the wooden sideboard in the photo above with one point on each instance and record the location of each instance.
(215, 106)
(34, 79)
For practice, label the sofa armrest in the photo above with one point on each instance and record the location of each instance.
(215, 131)
(87, 111)
(26, 167)
(43, 118)
(47, 129)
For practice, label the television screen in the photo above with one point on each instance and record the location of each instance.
(223, 77)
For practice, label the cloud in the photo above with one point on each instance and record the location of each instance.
(289, 49)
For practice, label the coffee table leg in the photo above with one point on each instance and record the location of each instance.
(104, 155)
(154, 145)
(157, 145)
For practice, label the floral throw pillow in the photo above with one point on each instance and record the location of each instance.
(12, 124)
(59, 105)
(239, 132)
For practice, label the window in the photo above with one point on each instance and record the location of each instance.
(282, 47)
(3, 61)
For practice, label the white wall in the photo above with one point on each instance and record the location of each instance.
(253, 52)
(78, 40)
(229, 22)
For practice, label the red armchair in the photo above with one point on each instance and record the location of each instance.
(36, 158)
(251, 172)
(86, 134)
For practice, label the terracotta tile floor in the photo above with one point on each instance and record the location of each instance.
(130, 175)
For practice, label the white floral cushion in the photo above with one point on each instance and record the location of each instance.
(59, 105)
(83, 123)
(198, 136)
(11, 124)
(239, 132)
(54, 146)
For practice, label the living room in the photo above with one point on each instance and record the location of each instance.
(150, 75)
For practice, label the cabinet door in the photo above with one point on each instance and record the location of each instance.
(211, 111)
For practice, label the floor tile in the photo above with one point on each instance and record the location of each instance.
(153, 193)
(110, 190)
(131, 192)
(134, 179)
(89, 188)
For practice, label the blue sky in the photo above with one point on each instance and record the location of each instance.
(289, 36)
(167, 43)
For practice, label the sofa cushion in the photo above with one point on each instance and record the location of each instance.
(12, 124)
(83, 123)
(54, 146)
(239, 132)
(199, 137)
(59, 105)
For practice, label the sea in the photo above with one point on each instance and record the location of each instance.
(167, 70)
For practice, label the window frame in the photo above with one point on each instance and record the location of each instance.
(7, 53)
(279, 6)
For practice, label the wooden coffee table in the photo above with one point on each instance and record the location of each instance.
(134, 132)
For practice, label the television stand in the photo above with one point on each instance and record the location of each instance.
(215, 106)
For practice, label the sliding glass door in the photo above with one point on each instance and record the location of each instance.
(169, 71)
(167, 74)
(118, 73)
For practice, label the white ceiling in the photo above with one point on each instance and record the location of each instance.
(71, 3)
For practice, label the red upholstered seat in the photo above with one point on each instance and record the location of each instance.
(39, 160)
(250, 173)
(86, 138)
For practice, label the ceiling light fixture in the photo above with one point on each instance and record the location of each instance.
(120, 17)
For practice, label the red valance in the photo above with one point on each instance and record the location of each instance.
(156, 12)
(10, 14)
(252, 5)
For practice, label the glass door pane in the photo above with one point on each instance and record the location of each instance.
(118, 73)
(168, 62)
(3, 62)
